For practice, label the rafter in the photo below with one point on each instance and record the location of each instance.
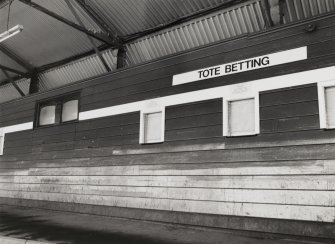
(13, 83)
(16, 58)
(3, 67)
(99, 36)
(96, 18)
(103, 61)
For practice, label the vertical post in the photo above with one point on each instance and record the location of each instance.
(121, 57)
(273, 12)
(265, 7)
(34, 83)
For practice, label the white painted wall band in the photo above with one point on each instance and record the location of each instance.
(229, 92)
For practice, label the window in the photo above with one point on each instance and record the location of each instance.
(47, 115)
(70, 111)
(241, 117)
(152, 127)
(58, 110)
(326, 92)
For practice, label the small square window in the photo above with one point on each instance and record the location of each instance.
(70, 111)
(241, 117)
(326, 95)
(330, 106)
(47, 115)
(152, 127)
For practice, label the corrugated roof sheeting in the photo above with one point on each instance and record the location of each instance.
(75, 71)
(241, 19)
(48, 39)
(302, 9)
(129, 16)
(8, 91)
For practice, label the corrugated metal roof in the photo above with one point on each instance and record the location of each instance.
(49, 40)
(302, 9)
(79, 70)
(129, 16)
(241, 19)
(8, 92)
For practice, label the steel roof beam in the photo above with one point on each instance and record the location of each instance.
(96, 17)
(13, 83)
(14, 71)
(103, 61)
(99, 36)
(16, 58)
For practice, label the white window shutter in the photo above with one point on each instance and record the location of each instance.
(1, 141)
(330, 106)
(153, 127)
(47, 115)
(241, 117)
(70, 110)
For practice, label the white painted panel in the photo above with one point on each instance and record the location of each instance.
(47, 115)
(2, 138)
(330, 106)
(152, 127)
(18, 127)
(241, 117)
(70, 111)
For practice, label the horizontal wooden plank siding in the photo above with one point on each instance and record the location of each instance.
(284, 175)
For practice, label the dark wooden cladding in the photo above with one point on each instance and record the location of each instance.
(289, 109)
(283, 175)
(295, 94)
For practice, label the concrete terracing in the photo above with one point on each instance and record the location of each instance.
(26, 224)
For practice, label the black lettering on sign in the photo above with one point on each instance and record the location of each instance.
(266, 61)
(228, 68)
(209, 72)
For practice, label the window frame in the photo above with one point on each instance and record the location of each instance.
(144, 113)
(225, 114)
(322, 103)
(58, 101)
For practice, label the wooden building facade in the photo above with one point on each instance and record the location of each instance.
(236, 135)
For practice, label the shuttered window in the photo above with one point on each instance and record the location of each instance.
(47, 115)
(70, 111)
(241, 117)
(153, 127)
(330, 106)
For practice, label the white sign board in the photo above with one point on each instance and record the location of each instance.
(272, 59)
